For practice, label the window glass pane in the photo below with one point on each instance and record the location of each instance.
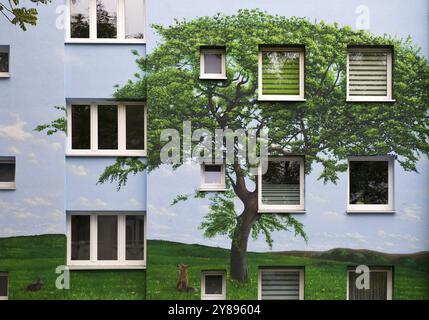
(107, 236)
(135, 238)
(377, 287)
(280, 73)
(369, 182)
(106, 19)
(135, 127)
(79, 18)
(280, 285)
(134, 19)
(3, 285)
(81, 127)
(7, 170)
(213, 63)
(281, 183)
(367, 73)
(108, 127)
(80, 237)
(213, 174)
(213, 284)
(4, 59)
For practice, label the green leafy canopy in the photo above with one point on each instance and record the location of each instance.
(15, 13)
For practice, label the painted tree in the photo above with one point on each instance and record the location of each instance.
(18, 14)
(324, 128)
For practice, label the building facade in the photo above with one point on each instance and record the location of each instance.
(77, 56)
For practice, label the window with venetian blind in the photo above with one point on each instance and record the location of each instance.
(281, 284)
(369, 74)
(281, 73)
(380, 285)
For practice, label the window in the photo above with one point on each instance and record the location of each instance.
(369, 74)
(380, 285)
(7, 173)
(4, 285)
(212, 177)
(106, 240)
(370, 184)
(281, 74)
(281, 187)
(106, 130)
(4, 61)
(213, 285)
(106, 20)
(212, 63)
(281, 283)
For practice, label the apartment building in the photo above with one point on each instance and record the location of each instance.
(76, 57)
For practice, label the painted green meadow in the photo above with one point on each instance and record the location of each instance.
(29, 258)
(324, 278)
(32, 257)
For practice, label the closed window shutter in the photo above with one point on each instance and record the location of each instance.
(368, 74)
(280, 73)
(279, 285)
(377, 287)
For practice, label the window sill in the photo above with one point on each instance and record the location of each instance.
(106, 267)
(98, 153)
(4, 75)
(213, 189)
(292, 211)
(7, 187)
(370, 211)
(213, 78)
(104, 41)
(281, 98)
(371, 100)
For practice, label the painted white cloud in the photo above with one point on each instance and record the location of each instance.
(14, 150)
(410, 213)
(100, 203)
(37, 201)
(15, 131)
(134, 202)
(78, 170)
(161, 211)
(403, 237)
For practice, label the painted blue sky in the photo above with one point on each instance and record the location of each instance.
(43, 176)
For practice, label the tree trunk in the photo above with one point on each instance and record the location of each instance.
(238, 258)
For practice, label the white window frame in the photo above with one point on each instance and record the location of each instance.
(282, 97)
(389, 96)
(373, 208)
(289, 269)
(120, 11)
(5, 48)
(7, 285)
(212, 76)
(269, 208)
(93, 262)
(388, 270)
(209, 186)
(122, 130)
(205, 296)
(8, 185)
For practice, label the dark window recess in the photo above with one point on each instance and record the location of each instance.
(213, 284)
(135, 127)
(81, 127)
(4, 60)
(134, 238)
(7, 170)
(107, 127)
(3, 284)
(280, 184)
(107, 234)
(212, 168)
(369, 182)
(80, 237)
(377, 287)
